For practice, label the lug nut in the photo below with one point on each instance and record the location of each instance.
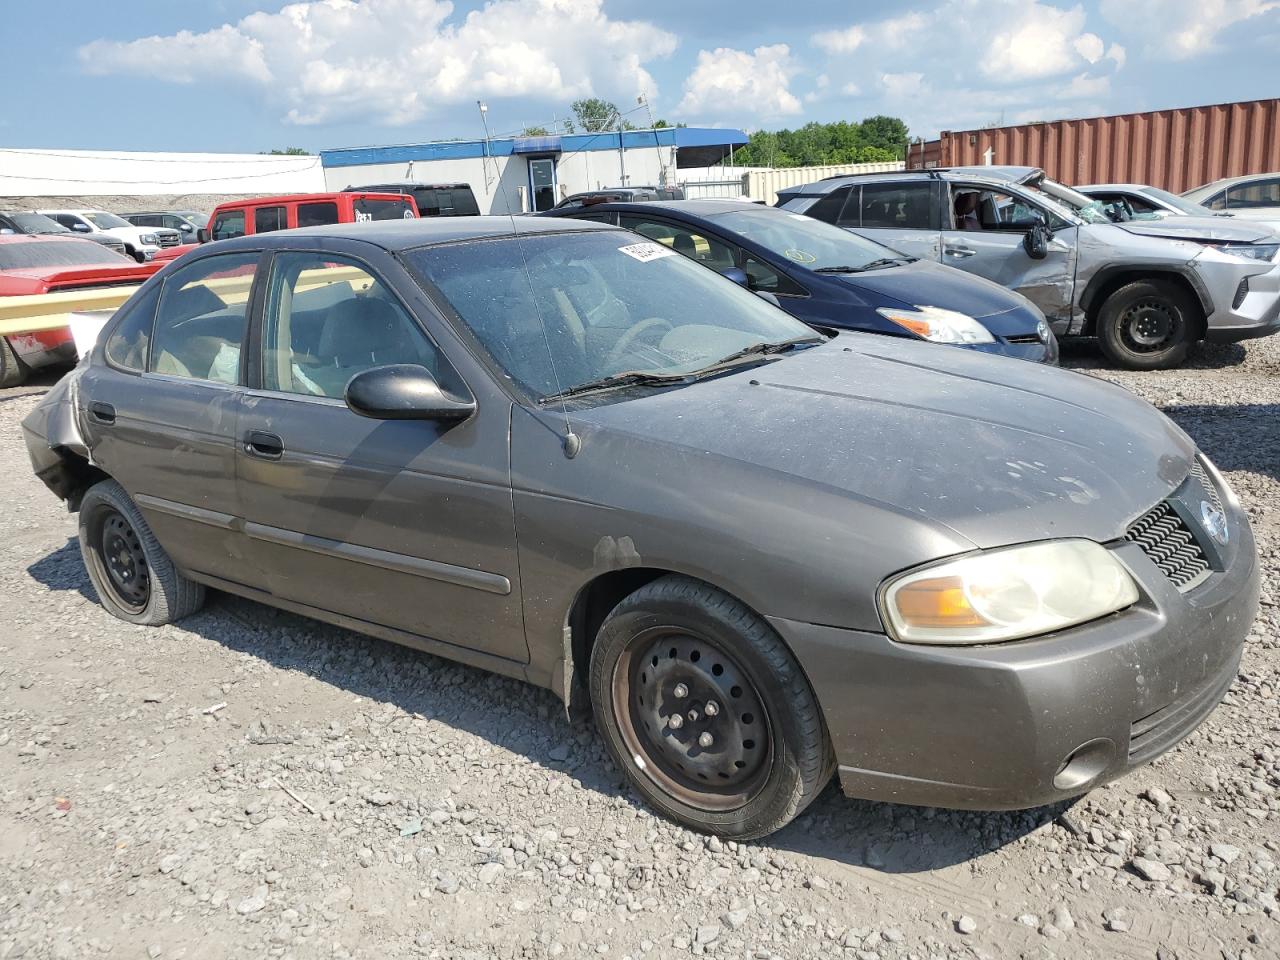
(705, 740)
(676, 721)
(681, 691)
(711, 709)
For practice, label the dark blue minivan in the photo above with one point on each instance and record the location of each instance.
(827, 276)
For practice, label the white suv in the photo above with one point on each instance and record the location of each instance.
(141, 243)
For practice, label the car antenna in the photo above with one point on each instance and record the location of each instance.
(572, 442)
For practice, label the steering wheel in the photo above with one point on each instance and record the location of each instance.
(627, 339)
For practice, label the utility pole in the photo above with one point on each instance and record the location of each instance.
(484, 119)
(643, 100)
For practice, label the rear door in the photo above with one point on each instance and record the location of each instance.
(985, 236)
(161, 410)
(407, 524)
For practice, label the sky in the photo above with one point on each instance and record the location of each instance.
(253, 75)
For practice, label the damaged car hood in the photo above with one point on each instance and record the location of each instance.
(1215, 229)
(998, 450)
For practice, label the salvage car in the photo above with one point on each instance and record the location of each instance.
(1146, 290)
(245, 218)
(760, 553)
(37, 224)
(1254, 196)
(186, 222)
(827, 276)
(141, 243)
(34, 264)
(1140, 201)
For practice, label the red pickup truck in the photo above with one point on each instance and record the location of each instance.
(263, 214)
(45, 263)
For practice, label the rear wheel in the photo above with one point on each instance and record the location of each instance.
(134, 577)
(706, 710)
(1147, 325)
(12, 370)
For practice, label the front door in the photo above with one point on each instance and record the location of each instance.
(403, 523)
(986, 234)
(165, 405)
(542, 183)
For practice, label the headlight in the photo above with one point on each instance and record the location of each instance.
(150, 238)
(1250, 251)
(1007, 594)
(938, 325)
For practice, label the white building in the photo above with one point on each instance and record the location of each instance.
(521, 174)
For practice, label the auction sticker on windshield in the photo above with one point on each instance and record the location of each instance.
(644, 252)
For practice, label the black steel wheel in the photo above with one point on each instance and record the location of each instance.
(1148, 325)
(707, 712)
(133, 575)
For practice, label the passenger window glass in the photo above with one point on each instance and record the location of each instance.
(327, 319)
(1217, 202)
(991, 210)
(228, 224)
(1262, 193)
(761, 276)
(830, 208)
(266, 219)
(317, 214)
(127, 346)
(898, 206)
(200, 323)
(705, 250)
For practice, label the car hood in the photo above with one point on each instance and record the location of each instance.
(998, 450)
(1216, 229)
(931, 284)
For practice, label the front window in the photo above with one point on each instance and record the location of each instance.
(806, 242)
(35, 223)
(106, 221)
(601, 303)
(1181, 204)
(228, 225)
(1258, 193)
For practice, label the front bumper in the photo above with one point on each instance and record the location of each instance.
(993, 727)
(1237, 317)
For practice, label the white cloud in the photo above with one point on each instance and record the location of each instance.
(726, 81)
(392, 60)
(840, 41)
(1042, 41)
(1183, 29)
(851, 90)
(901, 86)
(1116, 53)
(1083, 86)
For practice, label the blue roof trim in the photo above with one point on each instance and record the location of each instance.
(574, 143)
(536, 145)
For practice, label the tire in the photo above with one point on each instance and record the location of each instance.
(138, 255)
(13, 371)
(1148, 325)
(133, 576)
(769, 755)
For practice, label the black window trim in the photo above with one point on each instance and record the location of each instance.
(252, 355)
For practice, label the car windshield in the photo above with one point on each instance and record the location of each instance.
(1178, 203)
(36, 223)
(1075, 203)
(58, 253)
(106, 221)
(804, 241)
(601, 303)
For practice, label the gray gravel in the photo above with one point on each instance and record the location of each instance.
(252, 784)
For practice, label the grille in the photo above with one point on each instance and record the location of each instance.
(1202, 477)
(1166, 539)
(1023, 338)
(1157, 732)
(1242, 291)
(168, 239)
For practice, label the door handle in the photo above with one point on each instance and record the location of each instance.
(958, 252)
(263, 445)
(102, 412)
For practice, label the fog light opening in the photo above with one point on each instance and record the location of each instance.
(1084, 764)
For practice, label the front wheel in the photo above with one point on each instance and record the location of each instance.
(13, 371)
(137, 254)
(133, 575)
(1147, 325)
(706, 710)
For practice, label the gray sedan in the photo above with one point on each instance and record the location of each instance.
(760, 553)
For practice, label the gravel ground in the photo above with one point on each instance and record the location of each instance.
(253, 784)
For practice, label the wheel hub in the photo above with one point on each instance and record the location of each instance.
(697, 720)
(125, 561)
(1148, 325)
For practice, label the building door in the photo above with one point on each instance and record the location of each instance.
(542, 183)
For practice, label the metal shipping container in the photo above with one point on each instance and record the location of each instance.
(1174, 149)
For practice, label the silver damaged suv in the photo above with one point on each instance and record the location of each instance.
(1147, 290)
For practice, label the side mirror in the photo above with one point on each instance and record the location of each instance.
(186, 228)
(202, 235)
(1036, 241)
(404, 391)
(81, 228)
(737, 275)
(7, 232)
(769, 297)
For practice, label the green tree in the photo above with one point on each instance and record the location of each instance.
(874, 140)
(888, 133)
(286, 152)
(535, 131)
(593, 114)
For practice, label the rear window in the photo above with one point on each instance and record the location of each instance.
(446, 202)
(58, 253)
(899, 206)
(317, 214)
(366, 209)
(266, 219)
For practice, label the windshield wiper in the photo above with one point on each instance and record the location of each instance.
(763, 349)
(873, 265)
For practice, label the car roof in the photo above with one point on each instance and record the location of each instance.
(307, 198)
(1134, 187)
(994, 173)
(691, 208)
(415, 184)
(402, 234)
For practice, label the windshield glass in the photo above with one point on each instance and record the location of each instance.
(36, 223)
(599, 302)
(809, 243)
(106, 221)
(1178, 203)
(1084, 208)
(58, 253)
